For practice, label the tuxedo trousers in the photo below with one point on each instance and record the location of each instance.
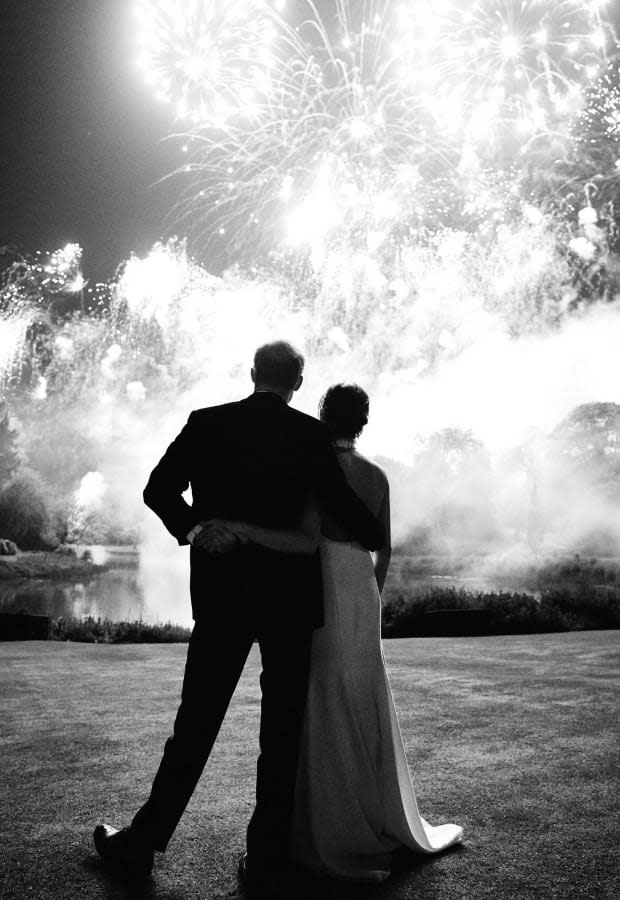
(215, 661)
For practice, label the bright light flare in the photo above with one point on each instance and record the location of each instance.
(149, 285)
(210, 59)
(64, 260)
(77, 284)
(551, 45)
(371, 89)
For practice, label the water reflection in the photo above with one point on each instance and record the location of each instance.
(153, 585)
(113, 594)
(153, 588)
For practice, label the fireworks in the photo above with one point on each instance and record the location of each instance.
(211, 59)
(61, 272)
(597, 127)
(493, 65)
(311, 118)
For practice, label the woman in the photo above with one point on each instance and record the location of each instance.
(355, 803)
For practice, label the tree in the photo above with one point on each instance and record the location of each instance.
(10, 456)
(589, 443)
(454, 485)
(25, 515)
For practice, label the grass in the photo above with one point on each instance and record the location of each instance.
(512, 737)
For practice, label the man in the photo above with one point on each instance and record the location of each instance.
(258, 461)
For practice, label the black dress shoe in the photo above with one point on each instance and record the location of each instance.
(260, 884)
(123, 849)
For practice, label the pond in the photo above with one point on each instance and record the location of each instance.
(154, 587)
(131, 587)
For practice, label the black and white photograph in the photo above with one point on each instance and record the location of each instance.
(309, 449)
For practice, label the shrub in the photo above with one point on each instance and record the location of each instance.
(591, 607)
(558, 609)
(105, 631)
(25, 516)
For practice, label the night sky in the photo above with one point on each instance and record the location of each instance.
(81, 136)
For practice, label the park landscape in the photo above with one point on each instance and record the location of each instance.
(513, 737)
(439, 226)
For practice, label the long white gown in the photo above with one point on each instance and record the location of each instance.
(355, 802)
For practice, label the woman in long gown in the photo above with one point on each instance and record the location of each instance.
(355, 803)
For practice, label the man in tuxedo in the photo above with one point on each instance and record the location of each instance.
(257, 461)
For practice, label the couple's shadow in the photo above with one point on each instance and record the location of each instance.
(407, 872)
(407, 869)
(116, 884)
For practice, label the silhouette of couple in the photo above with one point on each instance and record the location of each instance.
(284, 513)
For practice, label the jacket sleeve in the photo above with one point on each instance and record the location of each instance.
(339, 499)
(167, 482)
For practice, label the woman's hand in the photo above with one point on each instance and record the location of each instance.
(216, 537)
(221, 535)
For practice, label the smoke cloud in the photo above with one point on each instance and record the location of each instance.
(469, 372)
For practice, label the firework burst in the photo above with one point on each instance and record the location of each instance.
(340, 111)
(492, 66)
(210, 59)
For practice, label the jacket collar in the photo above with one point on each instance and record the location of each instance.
(265, 397)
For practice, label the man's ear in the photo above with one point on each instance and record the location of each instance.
(253, 375)
(299, 383)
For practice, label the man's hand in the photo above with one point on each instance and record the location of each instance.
(215, 537)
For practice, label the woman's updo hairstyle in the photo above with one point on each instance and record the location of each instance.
(344, 410)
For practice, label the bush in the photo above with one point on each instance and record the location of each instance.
(105, 631)
(25, 515)
(558, 609)
(7, 547)
(591, 607)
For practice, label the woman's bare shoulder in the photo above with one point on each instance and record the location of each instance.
(369, 467)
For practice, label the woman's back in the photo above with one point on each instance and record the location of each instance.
(369, 482)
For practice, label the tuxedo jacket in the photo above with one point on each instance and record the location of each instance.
(259, 461)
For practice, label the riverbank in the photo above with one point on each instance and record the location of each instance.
(68, 561)
(108, 595)
(42, 564)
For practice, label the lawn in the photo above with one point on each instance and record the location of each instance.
(515, 738)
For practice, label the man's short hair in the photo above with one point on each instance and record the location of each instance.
(278, 365)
